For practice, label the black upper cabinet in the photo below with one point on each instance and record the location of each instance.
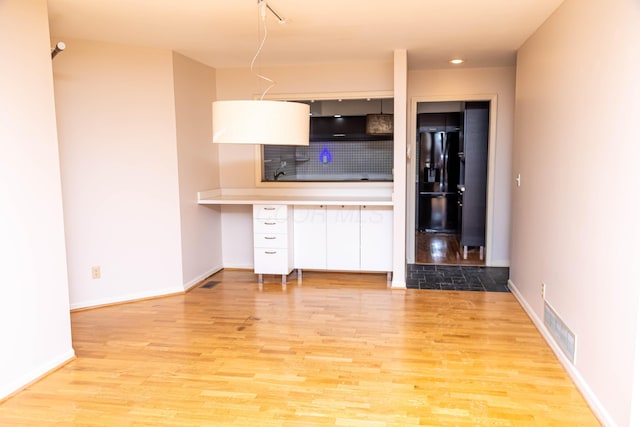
(345, 128)
(436, 122)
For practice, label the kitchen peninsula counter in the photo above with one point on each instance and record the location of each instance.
(341, 229)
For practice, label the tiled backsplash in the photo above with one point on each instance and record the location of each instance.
(330, 161)
(278, 158)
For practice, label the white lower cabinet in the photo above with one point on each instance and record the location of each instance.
(343, 238)
(376, 238)
(310, 237)
(272, 241)
(347, 238)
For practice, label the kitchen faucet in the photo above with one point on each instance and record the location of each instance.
(278, 172)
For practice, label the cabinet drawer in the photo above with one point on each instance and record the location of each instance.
(270, 211)
(270, 240)
(271, 261)
(270, 226)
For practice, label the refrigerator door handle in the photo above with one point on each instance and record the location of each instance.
(445, 163)
(426, 146)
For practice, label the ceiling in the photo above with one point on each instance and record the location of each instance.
(226, 33)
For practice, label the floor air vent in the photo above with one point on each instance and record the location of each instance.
(563, 336)
(209, 285)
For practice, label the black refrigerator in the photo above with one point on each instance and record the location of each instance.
(438, 178)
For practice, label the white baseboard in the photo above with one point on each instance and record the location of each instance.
(398, 284)
(35, 374)
(190, 284)
(239, 266)
(499, 263)
(145, 295)
(594, 403)
(127, 298)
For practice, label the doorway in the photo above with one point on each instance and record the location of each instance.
(450, 171)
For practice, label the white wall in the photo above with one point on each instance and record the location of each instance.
(237, 236)
(463, 84)
(117, 131)
(400, 101)
(194, 85)
(34, 308)
(575, 217)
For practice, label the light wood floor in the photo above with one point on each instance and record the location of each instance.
(341, 349)
(444, 249)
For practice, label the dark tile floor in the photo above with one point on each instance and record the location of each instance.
(457, 277)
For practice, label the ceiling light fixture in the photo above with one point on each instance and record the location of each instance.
(261, 121)
(456, 61)
(379, 124)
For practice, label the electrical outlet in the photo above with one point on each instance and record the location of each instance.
(95, 272)
(543, 289)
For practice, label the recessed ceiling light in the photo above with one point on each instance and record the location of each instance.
(456, 61)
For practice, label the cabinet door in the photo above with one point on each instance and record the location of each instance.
(343, 238)
(310, 237)
(431, 122)
(376, 238)
(346, 128)
(474, 206)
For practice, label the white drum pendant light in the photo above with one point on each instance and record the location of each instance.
(261, 121)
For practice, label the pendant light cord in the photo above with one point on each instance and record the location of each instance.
(263, 19)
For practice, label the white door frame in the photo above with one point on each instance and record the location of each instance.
(411, 171)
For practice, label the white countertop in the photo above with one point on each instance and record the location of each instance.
(216, 197)
(337, 177)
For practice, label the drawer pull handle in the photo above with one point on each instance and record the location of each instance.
(269, 223)
(269, 209)
(270, 237)
(270, 252)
